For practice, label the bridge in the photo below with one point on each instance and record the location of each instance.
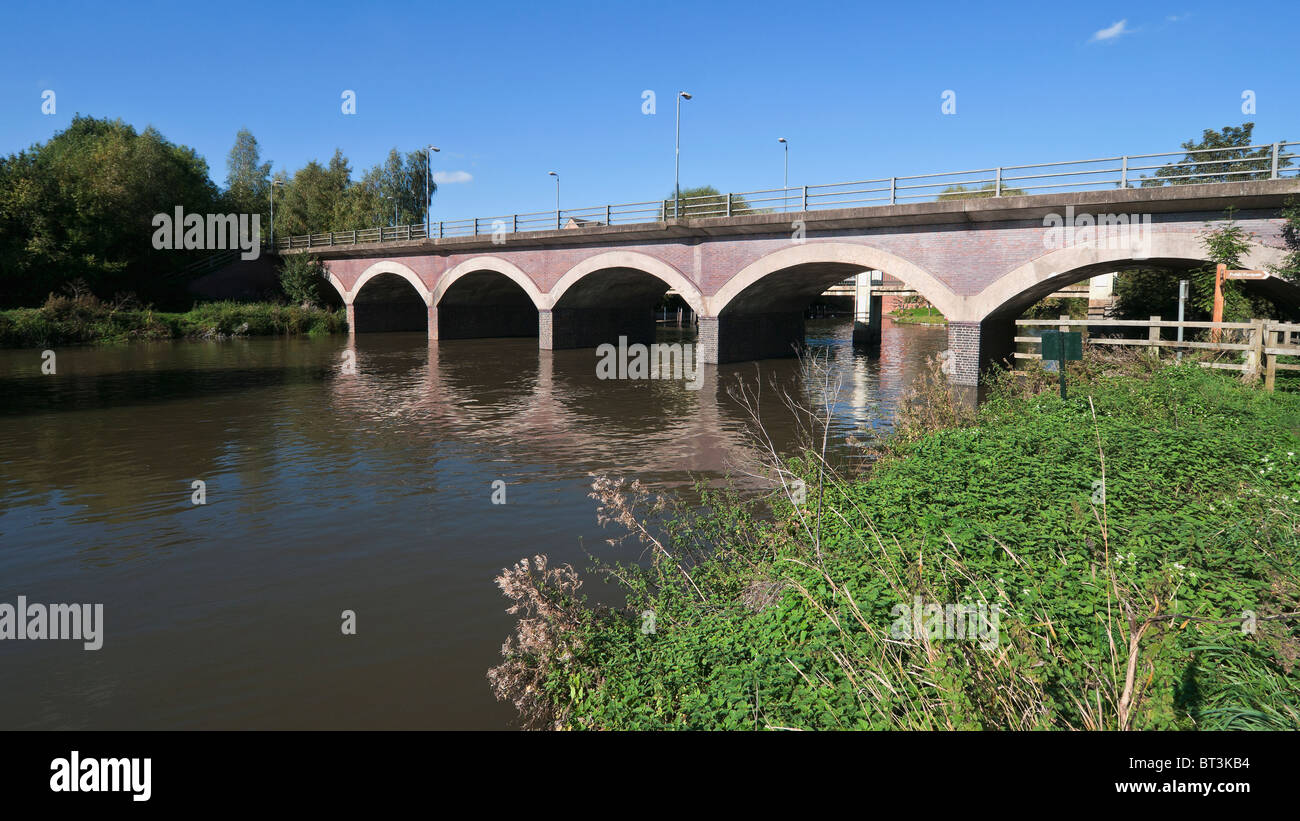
(980, 246)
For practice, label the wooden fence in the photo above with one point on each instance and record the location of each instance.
(1263, 341)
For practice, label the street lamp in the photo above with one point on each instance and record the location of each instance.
(274, 183)
(785, 185)
(557, 190)
(394, 199)
(429, 151)
(677, 172)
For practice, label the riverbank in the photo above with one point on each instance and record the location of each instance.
(918, 316)
(1126, 558)
(89, 321)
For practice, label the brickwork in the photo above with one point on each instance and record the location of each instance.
(979, 268)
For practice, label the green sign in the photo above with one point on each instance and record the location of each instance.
(1062, 346)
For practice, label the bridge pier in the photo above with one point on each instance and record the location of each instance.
(867, 310)
(481, 321)
(740, 337)
(564, 328)
(974, 347)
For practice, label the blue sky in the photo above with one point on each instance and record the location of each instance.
(511, 91)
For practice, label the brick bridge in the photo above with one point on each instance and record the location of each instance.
(981, 262)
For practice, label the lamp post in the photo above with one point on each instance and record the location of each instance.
(785, 185)
(677, 172)
(394, 199)
(429, 151)
(557, 196)
(274, 183)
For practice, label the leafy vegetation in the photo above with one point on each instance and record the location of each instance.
(1128, 535)
(80, 318)
(79, 208)
(301, 277)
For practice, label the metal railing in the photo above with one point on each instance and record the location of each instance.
(1126, 171)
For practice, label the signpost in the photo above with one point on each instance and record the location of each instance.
(1222, 273)
(1062, 347)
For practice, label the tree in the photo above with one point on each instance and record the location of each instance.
(300, 279)
(81, 207)
(248, 180)
(985, 191)
(707, 201)
(1229, 162)
(1290, 267)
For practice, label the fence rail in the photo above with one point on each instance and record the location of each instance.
(1274, 161)
(1264, 341)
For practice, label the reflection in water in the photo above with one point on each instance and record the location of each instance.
(329, 492)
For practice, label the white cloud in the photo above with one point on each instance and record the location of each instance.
(452, 177)
(1111, 32)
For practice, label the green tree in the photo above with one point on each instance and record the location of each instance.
(707, 201)
(985, 191)
(81, 206)
(300, 279)
(1230, 161)
(1290, 267)
(248, 180)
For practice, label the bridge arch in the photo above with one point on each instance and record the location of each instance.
(495, 264)
(629, 260)
(486, 297)
(389, 296)
(838, 259)
(388, 266)
(338, 286)
(1012, 293)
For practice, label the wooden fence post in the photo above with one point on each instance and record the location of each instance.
(1272, 339)
(1153, 334)
(1255, 353)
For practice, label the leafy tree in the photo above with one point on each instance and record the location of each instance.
(985, 191)
(248, 180)
(300, 279)
(1229, 162)
(707, 201)
(81, 206)
(1290, 267)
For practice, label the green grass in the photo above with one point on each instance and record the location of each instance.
(918, 316)
(88, 321)
(786, 618)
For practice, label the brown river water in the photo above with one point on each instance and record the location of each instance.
(325, 492)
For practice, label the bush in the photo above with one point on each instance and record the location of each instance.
(300, 279)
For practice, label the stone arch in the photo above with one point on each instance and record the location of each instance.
(388, 266)
(633, 261)
(338, 286)
(845, 255)
(540, 300)
(486, 297)
(1016, 290)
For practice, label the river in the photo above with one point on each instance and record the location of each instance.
(327, 492)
